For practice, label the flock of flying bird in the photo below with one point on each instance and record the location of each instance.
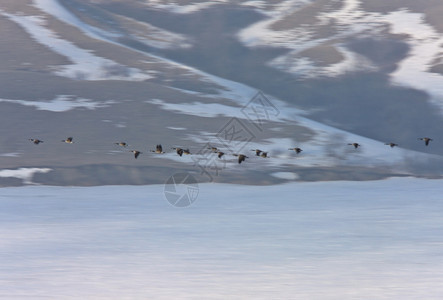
(241, 157)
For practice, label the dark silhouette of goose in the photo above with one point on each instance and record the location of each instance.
(68, 140)
(356, 145)
(426, 139)
(296, 149)
(186, 151)
(220, 154)
(36, 141)
(123, 144)
(241, 157)
(178, 150)
(392, 145)
(257, 151)
(136, 153)
(158, 149)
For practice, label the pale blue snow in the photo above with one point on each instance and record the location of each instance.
(322, 240)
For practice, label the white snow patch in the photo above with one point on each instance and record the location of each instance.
(199, 109)
(86, 65)
(176, 128)
(285, 175)
(174, 7)
(147, 34)
(426, 45)
(10, 154)
(53, 7)
(255, 3)
(26, 174)
(61, 103)
(306, 68)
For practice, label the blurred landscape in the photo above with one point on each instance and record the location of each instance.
(236, 75)
(304, 240)
(356, 84)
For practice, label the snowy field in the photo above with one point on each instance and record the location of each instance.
(323, 240)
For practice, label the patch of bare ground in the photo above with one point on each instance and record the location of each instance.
(323, 55)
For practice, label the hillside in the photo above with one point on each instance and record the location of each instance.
(237, 75)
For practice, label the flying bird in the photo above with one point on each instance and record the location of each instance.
(257, 151)
(356, 145)
(158, 149)
(179, 151)
(392, 145)
(136, 153)
(220, 154)
(241, 157)
(68, 140)
(296, 149)
(36, 141)
(123, 144)
(426, 139)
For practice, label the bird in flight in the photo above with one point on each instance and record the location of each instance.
(36, 141)
(257, 151)
(296, 149)
(241, 157)
(426, 139)
(356, 145)
(136, 153)
(123, 144)
(68, 140)
(178, 150)
(158, 149)
(392, 145)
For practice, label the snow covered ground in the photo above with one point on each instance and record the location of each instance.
(322, 240)
(423, 39)
(61, 103)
